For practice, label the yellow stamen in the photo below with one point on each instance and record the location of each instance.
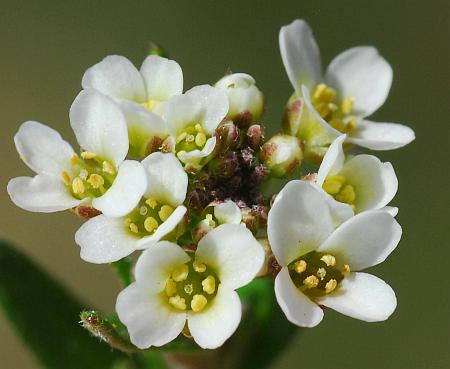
(96, 180)
(190, 138)
(151, 202)
(143, 210)
(108, 167)
(134, 228)
(198, 266)
(181, 137)
(180, 273)
(347, 105)
(346, 195)
(177, 302)
(209, 285)
(333, 184)
(351, 124)
(330, 286)
(74, 159)
(198, 303)
(328, 259)
(198, 127)
(165, 212)
(321, 273)
(311, 281)
(346, 270)
(66, 178)
(171, 287)
(78, 186)
(210, 220)
(88, 155)
(150, 224)
(200, 139)
(300, 266)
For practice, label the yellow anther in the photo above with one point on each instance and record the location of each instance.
(321, 273)
(181, 137)
(328, 259)
(127, 222)
(177, 302)
(347, 105)
(151, 202)
(107, 167)
(96, 180)
(198, 127)
(346, 195)
(188, 288)
(323, 93)
(74, 159)
(171, 287)
(209, 285)
(88, 155)
(143, 210)
(180, 154)
(330, 286)
(150, 105)
(165, 212)
(198, 303)
(351, 124)
(333, 184)
(200, 139)
(311, 281)
(346, 270)
(134, 228)
(198, 266)
(300, 266)
(66, 178)
(150, 224)
(210, 220)
(78, 186)
(190, 138)
(180, 273)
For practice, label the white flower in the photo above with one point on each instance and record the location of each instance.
(319, 260)
(173, 287)
(103, 239)
(245, 99)
(363, 181)
(64, 180)
(192, 119)
(355, 85)
(140, 94)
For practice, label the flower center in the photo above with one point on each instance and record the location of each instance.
(316, 274)
(190, 138)
(337, 187)
(91, 175)
(337, 115)
(145, 219)
(191, 286)
(150, 104)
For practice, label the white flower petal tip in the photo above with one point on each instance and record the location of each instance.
(297, 307)
(228, 212)
(332, 161)
(391, 210)
(300, 54)
(362, 296)
(125, 192)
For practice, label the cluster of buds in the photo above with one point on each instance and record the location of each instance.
(182, 177)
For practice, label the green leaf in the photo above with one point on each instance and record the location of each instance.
(45, 316)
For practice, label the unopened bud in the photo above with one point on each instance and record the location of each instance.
(255, 136)
(293, 115)
(247, 157)
(156, 49)
(245, 99)
(227, 135)
(86, 211)
(224, 164)
(282, 154)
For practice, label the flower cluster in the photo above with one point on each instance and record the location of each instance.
(180, 176)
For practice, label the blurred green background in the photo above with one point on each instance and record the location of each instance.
(47, 45)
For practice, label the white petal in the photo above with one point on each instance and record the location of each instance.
(163, 78)
(332, 161)
(105, 240)
(297, 307)
(210, 144)
(41, 193)
(166, 179)
(299, 221)
(381, 136)
(156, 264)
(213, 103)
(362, 73)
(365, 240)
(233, 252)
(125, 192)
(340, 212)
(392, 210)
(99, 126)
(180, 112)
(43, 149)
(116, 77)
(228, 212)
(164, 229)
(139, 118)
(362, 296)
(211, 327)
(300, 54)
(149, 319)
(375, 183)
